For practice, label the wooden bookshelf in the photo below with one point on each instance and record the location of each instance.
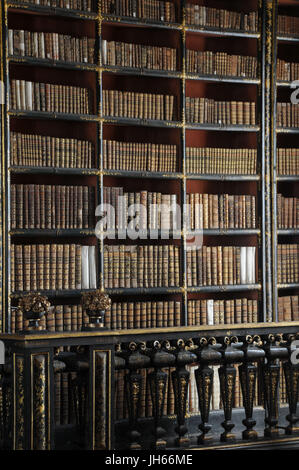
(98, 127)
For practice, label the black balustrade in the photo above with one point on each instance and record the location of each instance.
(27, 391)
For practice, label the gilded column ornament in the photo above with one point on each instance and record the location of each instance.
(158, 382)
(248, 374)
(227, 377)
(19, 402)
(40, 409)
(204, 377)
(180, 380)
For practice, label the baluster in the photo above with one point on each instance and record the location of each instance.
(133, 388)
(204, 377)
(271, 372)
(158, 380)
(227, 376)
(248, 374)
(180, 380)
(291, 373)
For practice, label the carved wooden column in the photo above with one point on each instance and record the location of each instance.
(180, 380)
(291, 373)
(204, 381)
(158, 380)
(271, 370)
(101, 398)
(248, 374)
(134, 361)
(227, 376)
(33, 411)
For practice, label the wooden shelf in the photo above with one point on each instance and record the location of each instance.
(53, 115)
(221, 32)
(27, 7)
(37, 62)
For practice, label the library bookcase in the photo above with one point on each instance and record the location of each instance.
(185, 101)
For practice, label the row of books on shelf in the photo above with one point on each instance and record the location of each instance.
(200, 15)
(287, 115)
(48, 97)
(288, 161)
(35, 206)
(288, 263)
(144, 9)
(141, 266)
(51, 46)
(125, 54)
(138, 105)
(207, 160)
(221, 312)
(52, 267)
(288, 308)
(210, 111)
(47, 151)
(82, 5)
(149, 210)
(66, 48)
(221, 63)
(287, 71)
(154, 210)
(139, 156)
(160, 314)
(287, 25)
(221, 265)
(287, 212)
(121, 315)
(221, 211)
(197, 15)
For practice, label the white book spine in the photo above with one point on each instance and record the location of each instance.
(85, 267)
(243, 262)
(10, 42)
(210, 311)
(104, 51)
(92, 267)
(22, 43)
(29, 101)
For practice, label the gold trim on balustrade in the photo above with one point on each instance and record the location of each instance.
(196, 330)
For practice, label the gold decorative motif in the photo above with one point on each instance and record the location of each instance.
(96, 301)
(19, 419)
(33, 302)
(40, 425)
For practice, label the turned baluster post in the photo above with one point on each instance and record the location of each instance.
(204, 376)
(271, 371)
(135, 361)
(248, 374)
(291, 373)
(227, 377)
(158, 380)
(180, 380)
